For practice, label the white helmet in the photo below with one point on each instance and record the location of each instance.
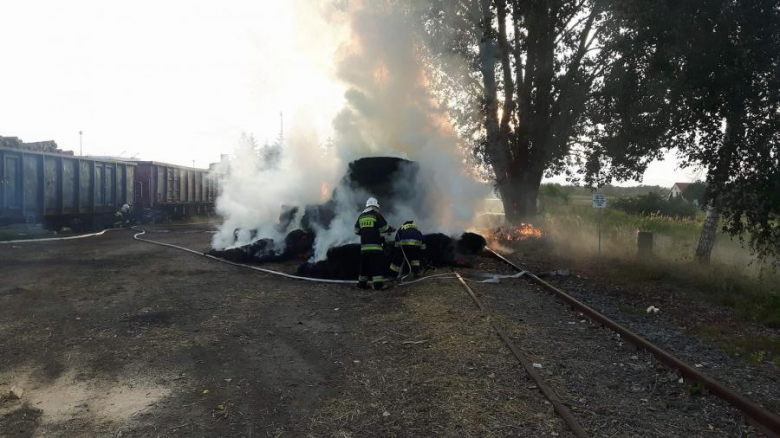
(372, 202)
(125, 208)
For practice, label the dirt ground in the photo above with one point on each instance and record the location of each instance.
(108, 336)
(729, 345)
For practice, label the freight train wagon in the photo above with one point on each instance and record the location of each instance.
(62, 190)
(167, 191)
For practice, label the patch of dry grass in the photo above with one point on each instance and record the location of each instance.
(439, 369)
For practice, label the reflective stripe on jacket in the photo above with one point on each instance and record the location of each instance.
(409, 235)
(370, 225)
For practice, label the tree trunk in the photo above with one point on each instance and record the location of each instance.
(495, 147)
(708, 231)
(715, 183)
(528, 135)
(519, 196)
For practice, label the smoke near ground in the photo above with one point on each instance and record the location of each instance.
(388, 111)
(253, 193)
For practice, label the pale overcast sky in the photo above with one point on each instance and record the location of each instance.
(173, 80)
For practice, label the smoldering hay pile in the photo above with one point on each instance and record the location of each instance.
(395, 182)
(391, 140)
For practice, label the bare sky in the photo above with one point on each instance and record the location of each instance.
(173, 80)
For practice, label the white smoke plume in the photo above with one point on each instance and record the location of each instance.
(253, 195)
(389, 111)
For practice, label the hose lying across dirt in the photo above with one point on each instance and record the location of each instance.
(50, 239)
(271, 271)
(560, 408)
(255, 268)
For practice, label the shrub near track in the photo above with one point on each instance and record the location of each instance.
(734, 278)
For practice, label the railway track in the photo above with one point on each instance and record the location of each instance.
(765, 421)
(560, 408)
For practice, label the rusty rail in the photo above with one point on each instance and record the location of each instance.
(548, 392)
(764, 420)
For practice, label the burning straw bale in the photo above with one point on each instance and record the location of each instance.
(442, 250)
(394, 181)
(471, 244)
(297, 245)
(520, 233)
(377, 176)
(343, 262)
(380, 175)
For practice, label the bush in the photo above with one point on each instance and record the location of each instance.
(654, 204)
(554, 191)
(696, 192)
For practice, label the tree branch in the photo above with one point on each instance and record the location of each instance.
(568, 30)
(582, 48)
(509, 88)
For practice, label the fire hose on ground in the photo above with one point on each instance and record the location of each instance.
(255, 268)
(278, 273)
(52, 239)
(768, 422)
(488, 277)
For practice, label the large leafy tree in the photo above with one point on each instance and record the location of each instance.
(535, 70)
(727, 116)
(615, 83)
(717, 66)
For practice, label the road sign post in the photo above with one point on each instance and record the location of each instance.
(599, 201)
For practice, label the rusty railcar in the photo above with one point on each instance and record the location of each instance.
(167, 191)
(60, 189)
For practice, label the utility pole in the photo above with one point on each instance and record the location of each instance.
(81, 150)
(599, 202)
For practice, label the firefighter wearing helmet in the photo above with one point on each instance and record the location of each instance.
(409, 247)
(370, 226)
(122, 217)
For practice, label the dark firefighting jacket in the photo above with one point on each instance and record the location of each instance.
(370, 226)
(409, 235)
(121, 219)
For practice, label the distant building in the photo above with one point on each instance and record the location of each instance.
(677, 191)
(695, 192)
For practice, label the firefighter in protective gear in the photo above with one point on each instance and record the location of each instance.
(409, 247)
(370, 226)
(122, 217)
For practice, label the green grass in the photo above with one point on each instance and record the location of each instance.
(752, 298)
(614, 222)
(674, 238)
(755, 349)
(733, 279)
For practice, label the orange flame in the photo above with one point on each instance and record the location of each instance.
(514, 234)
(324, 192)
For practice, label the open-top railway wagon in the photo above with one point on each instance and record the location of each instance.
(167, 191)
(62, 190)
